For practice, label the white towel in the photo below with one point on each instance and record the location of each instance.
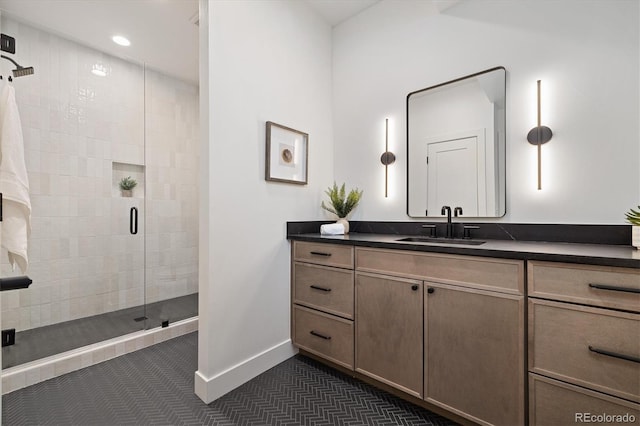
(332, 229)
(14, 182)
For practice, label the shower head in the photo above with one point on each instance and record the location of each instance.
(20, 70)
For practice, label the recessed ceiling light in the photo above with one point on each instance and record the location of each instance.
(121, 40)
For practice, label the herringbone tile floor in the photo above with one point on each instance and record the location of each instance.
(154, 386)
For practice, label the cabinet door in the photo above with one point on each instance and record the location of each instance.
(325, 289)
(552, 402)
(590, 347)
(474, 353)
(324, 335)
(389, 331)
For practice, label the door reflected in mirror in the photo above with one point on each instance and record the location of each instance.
(456, 146)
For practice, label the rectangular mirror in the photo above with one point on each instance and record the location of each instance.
(456, 146)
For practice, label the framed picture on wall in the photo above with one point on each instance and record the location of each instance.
(287, 154)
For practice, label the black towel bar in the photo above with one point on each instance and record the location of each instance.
(14, 283)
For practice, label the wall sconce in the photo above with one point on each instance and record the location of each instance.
(386, 158)
(537, 136)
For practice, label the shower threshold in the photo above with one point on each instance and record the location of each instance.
(53, 339)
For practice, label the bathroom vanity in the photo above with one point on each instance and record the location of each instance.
(502, 332)
(584, 342)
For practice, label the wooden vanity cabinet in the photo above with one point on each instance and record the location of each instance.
(450, 330)
(322, 293)
(472, 317)
(389, 331)
(584, 341)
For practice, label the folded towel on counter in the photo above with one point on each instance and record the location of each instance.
(332, 229)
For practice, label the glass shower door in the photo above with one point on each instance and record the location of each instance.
(171, 144)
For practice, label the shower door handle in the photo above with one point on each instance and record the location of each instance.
(133, 220)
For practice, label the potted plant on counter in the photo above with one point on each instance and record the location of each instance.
(633, 217)
(126, 186)
(342, 204)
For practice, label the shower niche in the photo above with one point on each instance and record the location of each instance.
(121, 171)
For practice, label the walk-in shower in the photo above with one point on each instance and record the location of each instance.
(93, 277)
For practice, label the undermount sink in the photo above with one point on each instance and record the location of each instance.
(433, 240)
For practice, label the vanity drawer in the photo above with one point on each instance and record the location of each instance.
(323, 254)
(590, 285)
(327, 289)
(324, 335)
(556, 403)
(503, 275)
(563, 340)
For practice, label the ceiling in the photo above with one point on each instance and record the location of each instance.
(163, 33)
(336, 11)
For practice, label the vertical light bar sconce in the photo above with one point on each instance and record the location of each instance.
(387, 158)
(538, 136)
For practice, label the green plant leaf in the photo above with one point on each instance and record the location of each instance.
(633, 216)
(341, 203)
(127, 183)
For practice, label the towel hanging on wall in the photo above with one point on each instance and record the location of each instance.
(14, 182)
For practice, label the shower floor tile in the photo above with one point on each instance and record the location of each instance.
(45, 341)
(154, 386)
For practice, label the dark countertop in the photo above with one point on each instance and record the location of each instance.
(590, 254)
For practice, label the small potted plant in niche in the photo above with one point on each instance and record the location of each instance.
(342, 204)
(633, 217)
(126, 186)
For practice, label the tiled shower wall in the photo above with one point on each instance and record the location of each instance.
(82, 133)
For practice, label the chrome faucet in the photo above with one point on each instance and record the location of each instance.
(447, 210)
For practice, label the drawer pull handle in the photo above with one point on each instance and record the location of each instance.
(320, 253)
(320, 335)
(614, 288)
(614, 354)
(315, 287)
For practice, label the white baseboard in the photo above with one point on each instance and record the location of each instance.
(210, 389)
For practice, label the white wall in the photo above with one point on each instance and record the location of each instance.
(585, 53)
(267, 61)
